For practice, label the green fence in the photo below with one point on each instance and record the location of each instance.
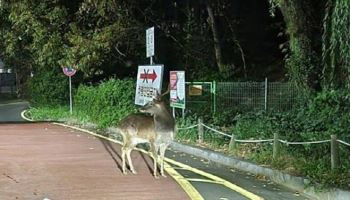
(220, 96)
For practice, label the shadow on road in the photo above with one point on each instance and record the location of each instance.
(112, 152)
(149, 166)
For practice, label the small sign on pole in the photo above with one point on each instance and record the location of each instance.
(149, 82)
(177, 89)
(150, 43)
(69, 71)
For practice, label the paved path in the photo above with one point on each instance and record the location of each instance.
(11, 111)
(43, 160)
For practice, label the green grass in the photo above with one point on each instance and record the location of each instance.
(49, 113)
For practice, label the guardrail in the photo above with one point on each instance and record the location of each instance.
(335, 160)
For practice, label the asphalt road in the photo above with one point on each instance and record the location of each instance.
(11, 111)
(210, 180)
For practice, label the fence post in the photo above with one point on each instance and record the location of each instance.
(214, 96)
(265, 102)
(334, 152)
(232, 144)
(200, 130)
(276, 149)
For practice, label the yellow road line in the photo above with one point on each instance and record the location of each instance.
(230, 185)
(202, 180)
(186, 185)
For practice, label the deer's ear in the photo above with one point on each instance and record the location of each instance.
(157, 99)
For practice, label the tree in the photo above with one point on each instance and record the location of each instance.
(304, 28)
(336, 45)
(33, 44)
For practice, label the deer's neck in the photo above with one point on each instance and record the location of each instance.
(164, 122)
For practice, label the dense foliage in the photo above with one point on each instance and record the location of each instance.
(49, 87)
(336, 48)
(106, 103)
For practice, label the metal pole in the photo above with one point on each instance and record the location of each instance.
(151, 60)
(174, 112)
(266, 93)
(70, 96)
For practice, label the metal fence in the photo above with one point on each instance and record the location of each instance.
(220, 96)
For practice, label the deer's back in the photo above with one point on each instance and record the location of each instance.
(138, 125)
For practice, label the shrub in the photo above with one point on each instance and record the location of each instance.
(107, 102)
(49, 87)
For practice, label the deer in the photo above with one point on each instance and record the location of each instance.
(157, 129)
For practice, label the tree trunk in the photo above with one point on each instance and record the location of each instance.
(304, 64)
(217, 41)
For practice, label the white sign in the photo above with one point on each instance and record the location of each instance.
(149, 82)
(177, 89)
(150, 42)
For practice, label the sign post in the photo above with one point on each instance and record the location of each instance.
(177, 91)
(150, 44)
(149, 83)
(69, 71)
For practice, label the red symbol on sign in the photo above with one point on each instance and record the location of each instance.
(146, 75)
(69, 71)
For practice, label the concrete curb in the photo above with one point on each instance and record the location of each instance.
(292, 182)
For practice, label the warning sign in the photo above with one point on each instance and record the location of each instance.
(177, 89)
(149, 82)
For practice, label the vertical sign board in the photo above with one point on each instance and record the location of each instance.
(150, 42)
(177, 89)
(149, 82)
(69, 71)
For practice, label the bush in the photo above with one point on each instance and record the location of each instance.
(49, 87)
(106, 103)
(187, 135)
(253, 125)
(326, 114)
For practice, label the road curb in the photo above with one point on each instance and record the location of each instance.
(293, 182)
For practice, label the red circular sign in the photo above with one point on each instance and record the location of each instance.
(69, 71)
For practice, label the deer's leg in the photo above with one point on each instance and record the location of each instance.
(124, 149)
(128, 156)
(162, 150)
(154, 150)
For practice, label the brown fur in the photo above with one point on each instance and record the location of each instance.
(157, 130)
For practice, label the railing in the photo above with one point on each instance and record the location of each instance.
(335, 160)
(217, 96)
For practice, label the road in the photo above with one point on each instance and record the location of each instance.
(44, 160)
(11, 111)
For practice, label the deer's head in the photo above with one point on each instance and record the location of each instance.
(156, 106)
(152, 107)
